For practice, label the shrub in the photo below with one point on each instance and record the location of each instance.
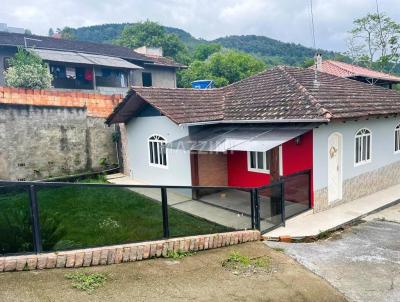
(87, 281)
(27, 70)
(16, 230)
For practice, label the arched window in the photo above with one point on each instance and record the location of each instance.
(397, 139)
(362, 146)
(157, 151)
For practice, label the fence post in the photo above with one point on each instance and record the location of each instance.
(283, 214)
(252, 209)
(310, 192)
(164, 203)
(37, 238)
(257, 209)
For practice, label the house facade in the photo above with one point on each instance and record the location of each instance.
(92, 66)
(278, 123)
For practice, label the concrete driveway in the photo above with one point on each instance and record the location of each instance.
(363, 262)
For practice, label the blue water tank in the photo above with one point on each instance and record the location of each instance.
(203, 84)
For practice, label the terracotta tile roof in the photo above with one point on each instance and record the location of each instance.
(184, 105)
(281, 93)
(346, 70)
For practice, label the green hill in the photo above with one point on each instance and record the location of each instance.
(273, 52)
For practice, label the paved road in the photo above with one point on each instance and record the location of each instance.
(363, 262)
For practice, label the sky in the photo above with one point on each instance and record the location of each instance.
(285, 20)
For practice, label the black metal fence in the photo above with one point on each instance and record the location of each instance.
(51, 216)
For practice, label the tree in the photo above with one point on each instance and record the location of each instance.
(67, 33)
(51, 32)
(224, 67)
(27, 70)
(375, 42)
(152, 34)
(203, 51)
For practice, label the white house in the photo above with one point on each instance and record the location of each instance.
(277, 123)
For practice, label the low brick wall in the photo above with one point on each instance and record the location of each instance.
(124, 253)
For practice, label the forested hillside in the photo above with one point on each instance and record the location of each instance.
(272, 52)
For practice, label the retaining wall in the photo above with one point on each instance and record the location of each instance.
(46, 133)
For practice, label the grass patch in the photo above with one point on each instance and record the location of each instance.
(78, 217)
(87, 282)
(179, 254)
(278, 249)
(240, 264)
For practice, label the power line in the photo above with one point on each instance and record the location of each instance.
(312, 23)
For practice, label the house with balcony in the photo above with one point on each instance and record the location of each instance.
(82, 65)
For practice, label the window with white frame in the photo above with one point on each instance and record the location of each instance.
(362, 146)
(259, 161)
(397, 139)
(157, 151)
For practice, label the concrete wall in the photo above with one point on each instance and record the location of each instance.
(38, 142)
(358, 181)
(139, 130)
(161, 76)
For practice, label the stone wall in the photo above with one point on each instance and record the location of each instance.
(361, 185)
(45, 134)
(124, 253)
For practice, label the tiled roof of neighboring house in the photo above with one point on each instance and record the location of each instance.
(14, 39)
(346, 70)
(278, 94)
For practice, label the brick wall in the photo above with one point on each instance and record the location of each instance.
(98, 105)
(212, 169)
(124, 253)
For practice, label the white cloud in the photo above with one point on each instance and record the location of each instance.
(286, 20)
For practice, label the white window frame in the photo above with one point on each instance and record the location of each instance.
(159, 140)
(266, 164)
(397, 139)
(360, 134)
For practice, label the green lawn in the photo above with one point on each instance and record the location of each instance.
(75, 217)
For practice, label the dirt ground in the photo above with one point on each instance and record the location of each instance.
(200, 277)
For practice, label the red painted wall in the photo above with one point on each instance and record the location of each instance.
(295, 157)
(238, 174)
(298, 157)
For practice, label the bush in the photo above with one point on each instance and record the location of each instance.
(27, 70)
(16, 229)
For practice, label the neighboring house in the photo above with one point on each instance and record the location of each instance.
(93, 66)
(273, 124)
(355, 72)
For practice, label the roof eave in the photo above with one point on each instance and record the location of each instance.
(267, 121)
